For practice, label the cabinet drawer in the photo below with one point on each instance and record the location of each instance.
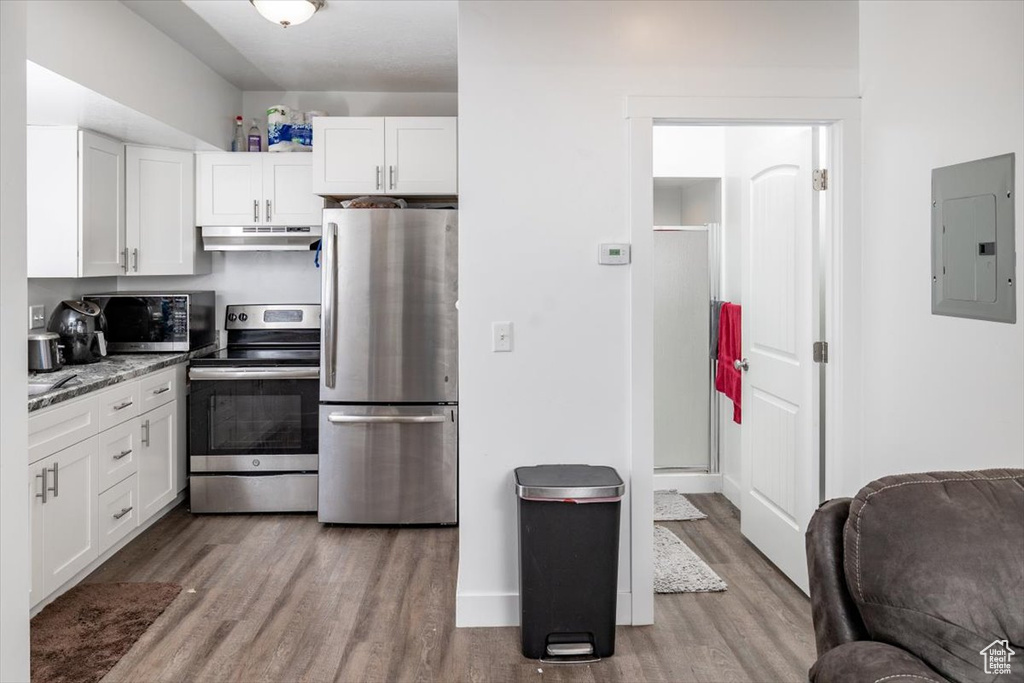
(118, 512)
(158, 389)
(117, 404)
(54, 429)
(118, 454)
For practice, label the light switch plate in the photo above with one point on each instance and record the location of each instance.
(501, 336)
(36, 317)
(973, 251)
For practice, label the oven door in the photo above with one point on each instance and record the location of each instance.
(253, 419)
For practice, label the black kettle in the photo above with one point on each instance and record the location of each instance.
(82, 328)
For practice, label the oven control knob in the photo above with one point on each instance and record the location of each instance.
(255, 462)
(232, 317)
(243, 317)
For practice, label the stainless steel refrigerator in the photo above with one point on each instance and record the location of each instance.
(389, 367)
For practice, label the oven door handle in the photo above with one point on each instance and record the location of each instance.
(252, 373)
(337, 418)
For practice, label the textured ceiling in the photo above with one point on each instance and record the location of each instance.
(383, 45)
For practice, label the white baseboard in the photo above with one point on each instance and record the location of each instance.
(502, 609)
(731, 490)
(688, 482)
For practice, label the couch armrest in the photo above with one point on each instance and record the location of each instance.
(836, 618)
(870, 662)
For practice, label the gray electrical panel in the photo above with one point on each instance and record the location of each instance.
(973, 251)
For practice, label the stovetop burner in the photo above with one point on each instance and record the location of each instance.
(268, 335)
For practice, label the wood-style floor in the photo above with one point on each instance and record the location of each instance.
(282, 598)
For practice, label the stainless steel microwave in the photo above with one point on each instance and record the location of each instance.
(158, 321)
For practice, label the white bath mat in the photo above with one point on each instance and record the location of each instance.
(677, 569)
(672, 506)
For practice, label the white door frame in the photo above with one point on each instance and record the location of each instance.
(842, 271)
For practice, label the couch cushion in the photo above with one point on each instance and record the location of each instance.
(935, 563)
(866, 661)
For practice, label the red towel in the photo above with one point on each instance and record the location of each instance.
(728, 379)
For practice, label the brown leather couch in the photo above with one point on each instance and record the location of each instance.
(918, 574)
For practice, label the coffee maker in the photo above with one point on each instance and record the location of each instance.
(81, 326)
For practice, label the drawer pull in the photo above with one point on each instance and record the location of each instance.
(122, 406)
(123, 512)
(161, 390)
(123, 454)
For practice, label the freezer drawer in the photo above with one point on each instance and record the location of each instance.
(388, 464)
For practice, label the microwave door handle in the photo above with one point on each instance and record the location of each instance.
(330, 303)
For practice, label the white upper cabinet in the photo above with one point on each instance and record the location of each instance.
(76, 209)
(385, 155)
(422, 155)
(249, 188)
(162, 238)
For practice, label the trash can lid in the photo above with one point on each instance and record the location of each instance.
(568, 482)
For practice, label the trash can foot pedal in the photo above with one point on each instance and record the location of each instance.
(570, 649)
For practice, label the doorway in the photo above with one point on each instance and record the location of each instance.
(778, 244)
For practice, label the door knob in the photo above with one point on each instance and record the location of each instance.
(741, 364)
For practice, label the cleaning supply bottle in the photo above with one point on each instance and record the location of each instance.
(238, 139)
(255, 138)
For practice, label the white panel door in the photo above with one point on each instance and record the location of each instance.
(779, 442)
(101, 205)
(229, 188)
(288, 197)
(68, 535)
(422, 155)
(157, 464)
(160, 211)
(348, 155)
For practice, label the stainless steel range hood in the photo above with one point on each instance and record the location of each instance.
(260, 238)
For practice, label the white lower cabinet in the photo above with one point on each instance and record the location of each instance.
(91, 495)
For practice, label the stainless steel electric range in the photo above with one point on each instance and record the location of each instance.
(254, 412)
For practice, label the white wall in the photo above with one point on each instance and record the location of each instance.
(543, 166)
(51, 291)
(939, 392)
(245, 277)
(109, 49)
(14, 523)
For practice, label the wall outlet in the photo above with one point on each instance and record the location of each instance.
(501, 336)
(36, 317)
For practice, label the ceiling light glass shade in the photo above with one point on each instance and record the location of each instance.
(287, 12)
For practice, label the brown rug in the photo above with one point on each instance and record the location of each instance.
(81, 635)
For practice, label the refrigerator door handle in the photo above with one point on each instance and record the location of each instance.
(337, 418)
(330, 303)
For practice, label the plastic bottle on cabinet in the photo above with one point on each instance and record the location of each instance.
(255, 139)
(238, 139)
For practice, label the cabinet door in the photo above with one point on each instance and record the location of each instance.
(288, 197)
(160, 211)
(229, 187)
(101, 205)
(348, 155)
(157, 465)
(422, 155)
(69, 513)
(35, 513)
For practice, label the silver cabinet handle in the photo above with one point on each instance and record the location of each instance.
(55, 477)
(254, 374)
(161, 390)
(330, 296)
(145, 433)
(122, 406)
(391, 177)
(123, 512)
(135, 260)
(336, 418)
(380, 176)
(125, 255)
(255, 211)
(741, 364)
(268, 210)
(42, 475)
(123, 454)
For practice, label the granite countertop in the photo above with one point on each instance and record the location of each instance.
(111, 370)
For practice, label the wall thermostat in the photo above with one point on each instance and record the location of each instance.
(613, 255)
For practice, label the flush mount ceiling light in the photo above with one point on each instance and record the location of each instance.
(287, 12)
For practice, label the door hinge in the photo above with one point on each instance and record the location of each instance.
(819, 179)
(820, 352)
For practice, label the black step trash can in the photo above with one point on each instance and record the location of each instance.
(568, 558)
